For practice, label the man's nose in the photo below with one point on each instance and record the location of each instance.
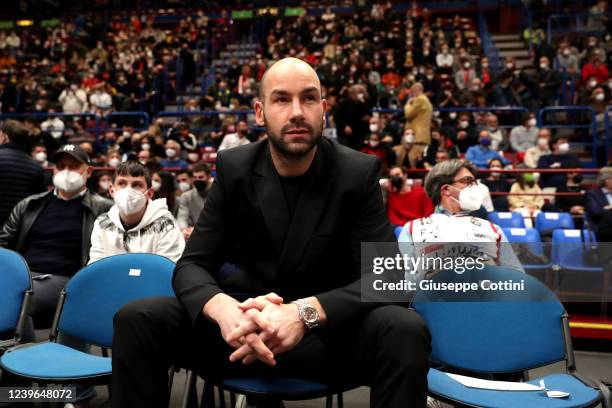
(296, 110)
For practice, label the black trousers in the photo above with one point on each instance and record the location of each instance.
(388, 349)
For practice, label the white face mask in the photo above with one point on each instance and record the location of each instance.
(104, 185)
(184, 186)
(592, 84)
(409, 139)
(543, 143)
(495, 173)
(373, 127)
(564, 148)
(452, 115)
(373, 143)
(470, 198)
(114, 162)
(41, 157)
(600, 97)
(69, 181)
(145, 146)
(129, 201)
(531, 122)
(464, 124)
(156, 185)
(170, 153)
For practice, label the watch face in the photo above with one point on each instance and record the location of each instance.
(310, 314)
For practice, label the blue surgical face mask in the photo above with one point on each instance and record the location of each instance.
(485, 141)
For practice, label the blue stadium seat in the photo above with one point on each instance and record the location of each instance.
(507, 219)
(530, 238)
(568, 246)
(546, 222)
(499, 336)
(87, 306)
(15, 292)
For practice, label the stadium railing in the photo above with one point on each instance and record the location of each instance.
(567, 23)
(137, 120)
(547, 117)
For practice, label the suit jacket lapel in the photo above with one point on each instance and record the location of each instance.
(271, 200)
(308, 211)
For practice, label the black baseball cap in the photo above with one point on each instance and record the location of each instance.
(72, 150)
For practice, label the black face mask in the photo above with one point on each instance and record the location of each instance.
(200, 185)
(578, 178)
(397, 182)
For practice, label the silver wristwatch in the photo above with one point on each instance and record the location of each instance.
(308, 313)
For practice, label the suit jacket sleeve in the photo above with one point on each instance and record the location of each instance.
(412, 109)
(193, 281)
(593, 207)
(371, 225)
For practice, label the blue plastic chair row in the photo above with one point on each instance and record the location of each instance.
(545, 222)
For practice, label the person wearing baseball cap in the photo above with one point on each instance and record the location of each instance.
(599, 206)
(54, 250)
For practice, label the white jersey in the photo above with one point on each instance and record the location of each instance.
(445, 236)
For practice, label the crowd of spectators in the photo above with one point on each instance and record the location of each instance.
(410, 62)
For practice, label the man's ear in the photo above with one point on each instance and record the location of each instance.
(446, 190)
(324, 104)
(89, 171)
(149, 193)
(259, 113)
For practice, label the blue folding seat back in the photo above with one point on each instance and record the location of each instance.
(507, 219)
(530, 237)
(99, 290)
(568, 246)
(14, 282)
(546, 222)
(497, 336)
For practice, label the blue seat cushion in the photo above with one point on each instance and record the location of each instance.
(286, 387)
(581, 395)
(52, 361)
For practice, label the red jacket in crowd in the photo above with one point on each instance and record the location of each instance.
(600, 72)
(404, 207)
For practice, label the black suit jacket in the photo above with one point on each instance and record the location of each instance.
(245, 221)
(595, 202)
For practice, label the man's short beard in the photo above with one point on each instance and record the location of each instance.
(294, 151)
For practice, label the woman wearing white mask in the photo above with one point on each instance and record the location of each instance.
(135, 223)
(452, 229)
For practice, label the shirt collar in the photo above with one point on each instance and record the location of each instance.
(441, 210)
